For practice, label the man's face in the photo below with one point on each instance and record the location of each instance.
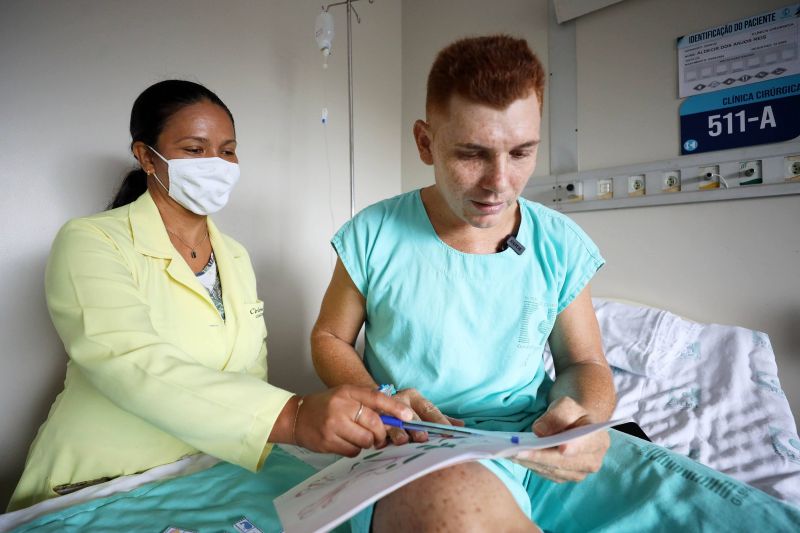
(482, 157)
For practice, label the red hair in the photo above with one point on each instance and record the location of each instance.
(494, 70)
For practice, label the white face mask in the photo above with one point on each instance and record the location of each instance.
(200, 184)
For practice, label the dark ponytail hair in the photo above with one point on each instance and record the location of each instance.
(151, 111)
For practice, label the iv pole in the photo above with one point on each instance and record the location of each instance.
(350, 11)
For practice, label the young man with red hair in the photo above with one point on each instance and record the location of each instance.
(460, 285)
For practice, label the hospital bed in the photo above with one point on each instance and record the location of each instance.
(708, 391)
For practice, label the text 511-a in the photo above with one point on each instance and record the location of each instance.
(730, 123)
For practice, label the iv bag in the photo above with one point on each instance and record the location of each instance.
(323, 32)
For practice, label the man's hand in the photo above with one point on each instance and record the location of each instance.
(423, 410)
(573, 460)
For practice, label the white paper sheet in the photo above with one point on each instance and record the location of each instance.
(339, 491)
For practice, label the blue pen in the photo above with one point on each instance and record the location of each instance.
(430, 427)
(440, 429)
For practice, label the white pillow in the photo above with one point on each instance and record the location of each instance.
(640, 339)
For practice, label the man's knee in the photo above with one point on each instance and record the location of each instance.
(466, 497)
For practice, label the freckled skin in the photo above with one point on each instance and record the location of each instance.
(482, 159)
(462, 498)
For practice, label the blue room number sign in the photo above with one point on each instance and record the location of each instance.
(761, 113)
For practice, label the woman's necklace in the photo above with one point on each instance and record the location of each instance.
(192, 248)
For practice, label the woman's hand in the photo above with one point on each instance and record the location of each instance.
(573, 460)
(423, 410)
(344, 420)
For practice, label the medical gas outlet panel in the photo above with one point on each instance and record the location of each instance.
(772, 170)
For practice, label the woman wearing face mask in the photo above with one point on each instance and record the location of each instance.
(164, 330)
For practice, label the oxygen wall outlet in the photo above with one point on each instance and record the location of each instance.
(574, 191)
(605, 189)
(750, 172)
(709, 177)
(792, 164)
(671, 181)
(636, 185)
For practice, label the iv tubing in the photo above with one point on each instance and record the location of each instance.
(350, 11)
(350, 96)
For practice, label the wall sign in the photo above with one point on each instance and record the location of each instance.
(746, 51)
(766, 112)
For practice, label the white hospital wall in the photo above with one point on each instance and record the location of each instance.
(69, 72)
(733, 262)
(728, 262)
(428, 26)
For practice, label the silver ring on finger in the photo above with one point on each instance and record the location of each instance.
(358, 414)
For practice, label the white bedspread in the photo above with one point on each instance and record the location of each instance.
(708, 391)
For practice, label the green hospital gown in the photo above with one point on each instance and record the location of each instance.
(468, 331)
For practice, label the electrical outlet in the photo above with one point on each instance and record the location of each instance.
(750, 172)
(636, 185)
(709, 177)
(792, 164)
(605, 189)
(671, 181)
(574, 191)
